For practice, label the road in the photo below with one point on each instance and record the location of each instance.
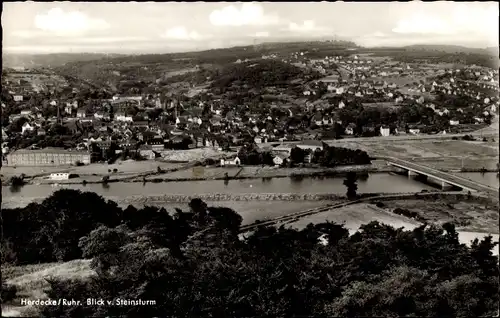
(447, 177)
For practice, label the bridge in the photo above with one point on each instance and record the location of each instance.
(443, 177)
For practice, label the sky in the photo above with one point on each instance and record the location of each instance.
(153, 27)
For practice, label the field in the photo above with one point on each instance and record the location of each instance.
(399, 80)
(444, 154)
(483, 219)
(30, 281)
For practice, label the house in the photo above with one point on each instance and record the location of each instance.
(41, 132)
(181, 122)
(454, 122)
(26, 112)
(81, 113)
(122, 117)
(235, 162)
(68, 109)
(27, 127)
(414, 131)
(349, 130)
(341, 105)
(101, 115)
(385, 131)
(278, 160)
(18, 98)
(4, 134)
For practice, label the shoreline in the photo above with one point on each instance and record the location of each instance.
(155, 177)
(291, 197)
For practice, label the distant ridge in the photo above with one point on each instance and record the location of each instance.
(247, 51)
(51, 59)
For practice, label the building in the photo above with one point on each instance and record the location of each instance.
(122, 117)
(59, 176)
(47, 157)
(18, 98)
(235, 162)
(27, 127)
(278, 160)
(81, 113)
(385, 131)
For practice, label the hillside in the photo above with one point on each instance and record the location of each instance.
(111, 70)
(264, 73)
(438, 54)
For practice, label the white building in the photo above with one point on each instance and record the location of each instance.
(235, 162)
(27, 127)
(385, 131)
(278, 161)
(59, 176)
(123, 117)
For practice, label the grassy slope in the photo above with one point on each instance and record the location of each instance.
(31, 283)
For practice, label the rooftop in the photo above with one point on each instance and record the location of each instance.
(49, 150)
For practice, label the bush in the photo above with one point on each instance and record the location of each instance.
(17, 181)
(115, 170)
(380, 204)
(9, 292)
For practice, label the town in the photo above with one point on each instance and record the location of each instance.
(49, 120)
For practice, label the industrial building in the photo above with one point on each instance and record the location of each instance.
(46, 157)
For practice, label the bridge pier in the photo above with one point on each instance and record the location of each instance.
(409, 173)
(443, 185)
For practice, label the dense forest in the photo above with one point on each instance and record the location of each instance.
(194, 264)
(265, 73)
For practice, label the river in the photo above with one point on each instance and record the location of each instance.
(375, 182)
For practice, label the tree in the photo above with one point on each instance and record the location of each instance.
(351, 184)
(208, 270)
(297, 155)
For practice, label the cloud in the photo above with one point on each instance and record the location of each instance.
(247, 14)
(180, 33)
(306, 26)
(64, 23)
(309, 27)
(262, 34)
(423, 24)
(379, 34)
(469, 18)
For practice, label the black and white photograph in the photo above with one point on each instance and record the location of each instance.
(250, 159)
